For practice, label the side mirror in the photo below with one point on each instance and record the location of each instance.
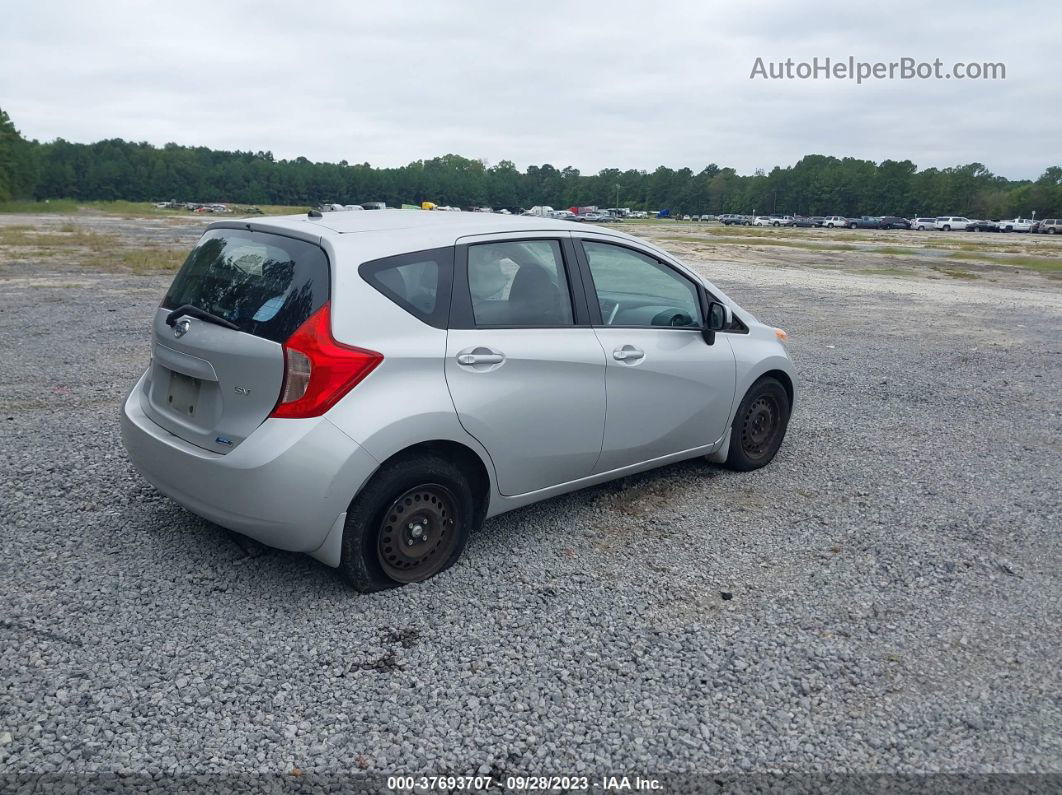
(717, 318)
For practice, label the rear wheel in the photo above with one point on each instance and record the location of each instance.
(409, 523)
(853, 226)
(759, 426)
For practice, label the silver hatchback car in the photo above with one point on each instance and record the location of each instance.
(369, 387)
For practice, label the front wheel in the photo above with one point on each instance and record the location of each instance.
(759, 426)
(853, 226)
(409, 523)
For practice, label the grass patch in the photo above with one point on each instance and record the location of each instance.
(90, 249)
(137, 260)
(956, 273)
(53, 206)
(16, 235)
(887, 271)
(28, 236)
(893, 251)
(1042, 264)
(739, 241)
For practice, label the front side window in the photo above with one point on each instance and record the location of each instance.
(635, 289)
(519, 283)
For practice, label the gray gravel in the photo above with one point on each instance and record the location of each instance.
(894, 578)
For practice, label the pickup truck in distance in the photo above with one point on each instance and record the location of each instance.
(865, 222)
(1016, 225)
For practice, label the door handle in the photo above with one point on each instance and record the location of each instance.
(627, 353)
(483, 357)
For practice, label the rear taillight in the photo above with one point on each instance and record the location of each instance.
(318, 371)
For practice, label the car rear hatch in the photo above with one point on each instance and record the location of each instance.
(218, 359)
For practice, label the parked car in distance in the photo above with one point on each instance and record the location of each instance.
(983, 225)
(865, 222)
(734, 219)
(801, 222)
(1050, 226)
(781, 220)
(948, 223)
(893, 222)
(763, 220)
(1016, 225)
(817, 220)
(923, 224)
(834, 221)
(313, 384)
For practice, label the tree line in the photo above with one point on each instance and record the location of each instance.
(816, 185)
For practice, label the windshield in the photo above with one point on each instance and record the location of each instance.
(264, 284)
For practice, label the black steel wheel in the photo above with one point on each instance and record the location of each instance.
(759, 425)
(416, 534)
(410, 522)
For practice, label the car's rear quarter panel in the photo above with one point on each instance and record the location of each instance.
(405, 400)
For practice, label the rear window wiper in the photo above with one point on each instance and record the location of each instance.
(201, 314)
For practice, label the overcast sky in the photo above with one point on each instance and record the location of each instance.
(587, 84)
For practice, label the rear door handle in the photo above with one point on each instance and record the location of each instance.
(627, 353)
(480, 356)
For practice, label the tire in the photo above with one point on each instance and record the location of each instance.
(751, 445)
(853, 226)
(946, 228)
(1052, 231)
(379, 548)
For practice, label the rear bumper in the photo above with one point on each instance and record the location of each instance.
(287, 485)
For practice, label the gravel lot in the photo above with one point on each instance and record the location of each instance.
(885, 597)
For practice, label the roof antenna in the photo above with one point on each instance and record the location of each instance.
(314, 214)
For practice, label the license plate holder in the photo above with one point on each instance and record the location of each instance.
(183, 393)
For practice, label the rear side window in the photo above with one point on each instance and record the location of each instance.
(519, 283)
(268, 285)
(418, 282)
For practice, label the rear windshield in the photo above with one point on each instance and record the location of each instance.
(268, 285)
